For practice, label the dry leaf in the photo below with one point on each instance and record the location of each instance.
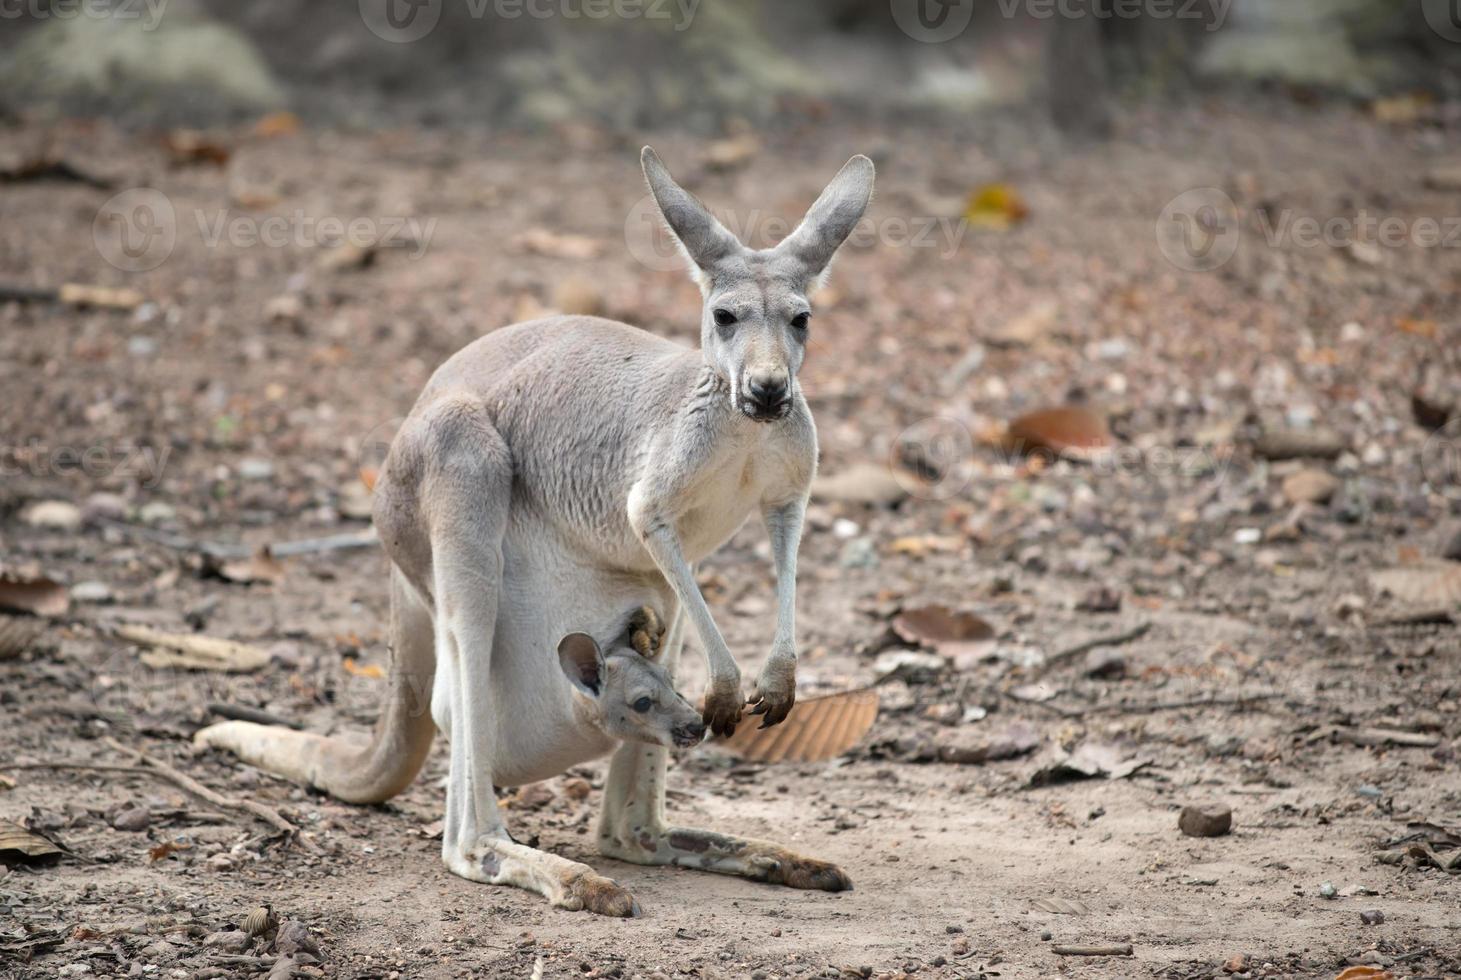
(1073, 432)
(1060, 906)
(16, 636)
(348, 257)
(259, 568)
(817, 729)
(189, 146)
(277, 124)
(166, 849)
(950, 632)
(1435, 584)
(541, 241)
(20, 845)
(1365, 973)
(919, 546)
(193, 652)
(1428, 329)
(997, 206)
(7, 782)
(1026, 328)
(353, 668)
(27, 591)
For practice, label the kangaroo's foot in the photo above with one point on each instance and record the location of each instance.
(566, 884)
(709, 851)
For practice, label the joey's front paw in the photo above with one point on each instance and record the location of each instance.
(723, 705)
(775, 692)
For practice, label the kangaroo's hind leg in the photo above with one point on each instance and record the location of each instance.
(466, 473)
(633, 826)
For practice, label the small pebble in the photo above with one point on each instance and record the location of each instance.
(1205, 821)
(1372, 917)
(1327, 890)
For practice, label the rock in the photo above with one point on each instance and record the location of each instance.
(862, 483)
(294, 937)
(1105, 663)
(104, 507)
(1237, 963)
(1205, 821)
(534, 796)
(1452, 551)
(231, 941)
(1444, 178)
(576, 789)
(859, 553)
(133, 819)
(1281, 444)
(255, 469)
(1101, 599)
(91, 592)
(1372, 917)
(53, 515)
(157, 512)
(1310, 486)
(1327, 890)
(287, 309)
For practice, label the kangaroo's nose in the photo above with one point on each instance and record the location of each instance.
(768, 395)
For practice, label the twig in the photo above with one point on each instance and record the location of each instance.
(214, 549)
(79, 766)
(270, 817)
(1070, 653)
(1122, 709)
(239, 712)
(1120, 950)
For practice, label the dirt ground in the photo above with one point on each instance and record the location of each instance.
(238, 404)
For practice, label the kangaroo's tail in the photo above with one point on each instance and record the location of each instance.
(356, 772)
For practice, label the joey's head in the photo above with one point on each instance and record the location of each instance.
(627, 696)
(756, 318)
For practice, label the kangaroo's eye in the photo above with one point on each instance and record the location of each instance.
(643, 705)
(724, 318)
(801, 320)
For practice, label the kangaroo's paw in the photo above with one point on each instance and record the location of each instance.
(646, 632)
(775, 692)
(723, 707)
(709, 851)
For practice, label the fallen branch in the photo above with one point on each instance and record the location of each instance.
(1070, 653)
(74, 294)
(186, 782)
(1123, 949)
(1377, 737)
(1122, 709)
(194, 652)
(239, 712)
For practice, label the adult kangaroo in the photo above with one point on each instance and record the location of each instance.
(553, 486)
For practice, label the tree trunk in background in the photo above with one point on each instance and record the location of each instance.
(1078, 73)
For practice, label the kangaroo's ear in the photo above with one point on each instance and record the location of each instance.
(832, 219)
(582, 662)
(702, 238)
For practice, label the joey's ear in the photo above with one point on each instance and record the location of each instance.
(832, 219)
(583, 662)
(702, 238)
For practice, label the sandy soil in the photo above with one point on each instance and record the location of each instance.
(260, 380)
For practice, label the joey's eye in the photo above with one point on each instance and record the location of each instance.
(801, 320)
(724, 318)
(643, 705)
